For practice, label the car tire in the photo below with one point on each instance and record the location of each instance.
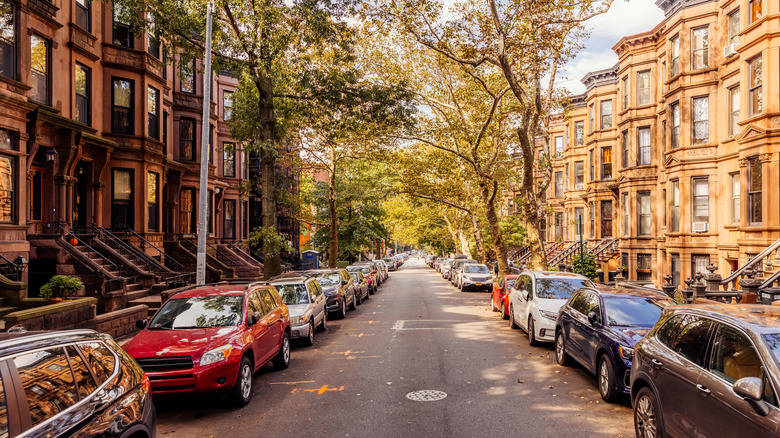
(309, 340)
(282, 359)
(241, 394)
(504, 315)
(606, 380)
(359, 298)
(372, 291)
(353, 306)
(343, 311)
(561, 356)
(324, 322)
(648, 422)
(532, 332)
(512, 323)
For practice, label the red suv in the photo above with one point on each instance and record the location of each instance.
(213, 339)
(499, 300)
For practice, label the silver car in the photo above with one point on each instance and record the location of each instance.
(306, 302)
(383, 269)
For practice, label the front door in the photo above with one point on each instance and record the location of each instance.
(606, 219)
(80, 199)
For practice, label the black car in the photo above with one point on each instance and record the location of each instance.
(339, 289)
(75, 382)
(598, 327)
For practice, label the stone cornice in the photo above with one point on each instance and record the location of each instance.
(671, 7)
(600, 78)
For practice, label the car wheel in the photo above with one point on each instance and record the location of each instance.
(242, 392)
(560, 349)
(493, 304)
(647, 417)
(309, 340)
(282, 359)
(324, 323)
(353, 306)
(372, 291)
(512, 323)
(606, 378)
(359, 297)
(531, 332)
(503, 311)
(343, 312)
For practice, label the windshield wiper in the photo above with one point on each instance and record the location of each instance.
(160, 327)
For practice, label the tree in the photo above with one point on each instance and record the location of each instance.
(585, 265)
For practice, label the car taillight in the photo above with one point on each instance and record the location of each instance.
(147, 385)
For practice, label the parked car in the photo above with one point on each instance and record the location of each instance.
(445, 268)
(391, 263)
(73, 382)
(305, 301)
(212, 339)
(372, 275)
(598, 327)
(339, 289)
(382, 270)
(455, 269)
(535, 299)
(499, 299)
(473, 276)
(361, 285)
(708, 370)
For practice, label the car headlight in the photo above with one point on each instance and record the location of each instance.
(296, 320)
(549, 315)
(626, 353)
(216, 355)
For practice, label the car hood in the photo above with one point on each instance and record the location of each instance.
(189, 342)
(297, 309)
(550, 305)
(632, 335)
(330, 290)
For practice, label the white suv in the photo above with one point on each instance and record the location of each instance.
(535, 299)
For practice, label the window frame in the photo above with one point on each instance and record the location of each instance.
(81, 13)
(46, 75)
(626, 90)
(674, 111)
(734, 113)
(735, 201)
(644, 95)
(191, 73)
(228, 148)
(695, 140)
(87, 120)
(734, 27)
(642, 197)
(10, 71)
(605, 118)
(674, 220)
(227, 110)
(153, 119)
(191, 141)
(704, 50)
(674, 56)
(625, 151)
(579, 175)
(579, 140)
(755, 198)
(606, 151)
(700, 200)
(644, 151)
(755, 7)
(126, 40)
(626, 213)
(755, 90)
(229, 224)
(153, 207)
(130, 110)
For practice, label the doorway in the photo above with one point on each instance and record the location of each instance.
(606, 219)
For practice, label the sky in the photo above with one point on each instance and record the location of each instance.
(624, 18)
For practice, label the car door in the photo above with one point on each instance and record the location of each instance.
(261, 335)
(675, 366)
(527, 301)
(590, 330)
(318, 301)
(723, 413)
(515, 294)
(573, 322)
(273, 318)
(498, 286)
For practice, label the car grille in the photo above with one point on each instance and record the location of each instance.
(170, 363)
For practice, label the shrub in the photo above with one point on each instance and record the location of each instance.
(342, 263)
(589, 265)
(61, 286)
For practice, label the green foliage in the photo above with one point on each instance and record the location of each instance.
(61, 286)
(268, 238)
(342, 263)
(588, 261)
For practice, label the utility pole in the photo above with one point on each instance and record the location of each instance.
(200, 276)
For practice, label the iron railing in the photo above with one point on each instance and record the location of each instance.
(175, 265)
(731, 281)
(140, 258)
(68, 235)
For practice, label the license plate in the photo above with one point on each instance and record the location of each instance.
(479, 284)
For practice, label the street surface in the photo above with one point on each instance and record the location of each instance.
(417, 333)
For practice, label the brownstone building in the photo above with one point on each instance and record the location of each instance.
(100, 156)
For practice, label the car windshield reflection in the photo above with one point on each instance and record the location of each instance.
(478, 269)
(633, 311)
(329, 279)
(559, 289)
(199, 312)
(293, 294)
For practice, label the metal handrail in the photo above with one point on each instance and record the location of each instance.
(139, 258)
(755, 260)
(561, 257)
(235, 247)
(187, 278)
(188, 240)
(81, 241)
(163, 255)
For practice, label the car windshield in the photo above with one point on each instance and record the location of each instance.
(355, 277)
(363, 269)
(510, 282)
(559, 288)
(475, 269)
(329, 279)
(633, 311)
(293, 294)
(388, 260)
(199, 312)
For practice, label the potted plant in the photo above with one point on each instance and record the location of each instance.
(60, 287)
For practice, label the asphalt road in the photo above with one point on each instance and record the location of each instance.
(417, 333)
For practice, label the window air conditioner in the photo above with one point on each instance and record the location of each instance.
(701, 227)
(730, 50)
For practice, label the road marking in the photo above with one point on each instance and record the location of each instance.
(290, 383)
(294, 391)
(324, 389)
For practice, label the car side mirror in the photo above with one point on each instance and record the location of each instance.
(752, 390)
(592, 318)
(343, 282)
(141, 323)
(253, 318)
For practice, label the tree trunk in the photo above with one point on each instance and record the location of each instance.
(532, 219)
(453, 234)
(481, 252)
(271, 254)
(333, 247)
(499, 247)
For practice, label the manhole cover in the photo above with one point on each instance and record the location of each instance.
(426, 395)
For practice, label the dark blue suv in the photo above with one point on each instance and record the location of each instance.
(598, 327)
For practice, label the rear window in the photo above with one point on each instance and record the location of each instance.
(48, 383)
(100, 358)
(559, 288)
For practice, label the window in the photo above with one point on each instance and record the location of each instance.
(211, 144)
(674, 54)
(579, 221)
(734, 113)
(663, 213)
(122, 106)
(734, 182)
(675, 266)
(210, 211)
(606, 163)
(165, 132)
(579, 175)
(734, 26)
(7, 39)
(592, 220)
(123, 35)
(558, 226)
(85, 383)
(675, 219)
(568, 180)
(100, 358)
(675, 112)
(567, 226)
(187, 139)
(690, 339)
(624, 203)
(187, 220)
(187, 78)
(152, 111)
(700, 48)
(40, 54)
(227, 105)
(644, 152)
(153, 46)
(122, 199)
(591, 116)
(153, 200)
(579, 133)
(625, 93)
(644, 267)
(229, 160)
(625, 149)
(755, 97)
(754, 6)
(50, 395)
(7, 182)
(701, 200)
(592, 167)
(700, 115)
(83, 92)
(230, 219)
(558, 146)
(606, 114)
(566, 144)
(83, 14)
(558, 184)
(699, 263)
(734, 357)
(755, 190)
(643, 95)
(644, 214)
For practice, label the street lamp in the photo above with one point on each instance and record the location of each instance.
(51, 155)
